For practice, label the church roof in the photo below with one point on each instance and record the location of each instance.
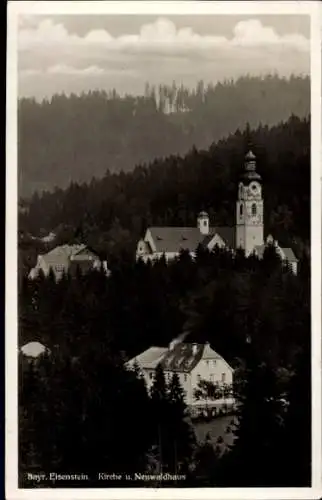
(174, 239)
(250, 156)
(251, 176)
(249, 173)
(227, 233)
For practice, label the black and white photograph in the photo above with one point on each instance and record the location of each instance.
(163, 260)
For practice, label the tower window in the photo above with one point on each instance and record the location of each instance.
(205, 223)
(241, 209)
(254, 210)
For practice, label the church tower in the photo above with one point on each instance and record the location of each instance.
(249, 207)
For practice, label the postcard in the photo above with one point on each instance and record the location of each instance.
(163, 250)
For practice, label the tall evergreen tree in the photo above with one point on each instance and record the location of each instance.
(295, 446)
(253, 457)
(181, 434)
(160, 405)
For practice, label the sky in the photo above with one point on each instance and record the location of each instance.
(70, 53)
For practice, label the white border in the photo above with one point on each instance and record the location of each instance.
(15, 8)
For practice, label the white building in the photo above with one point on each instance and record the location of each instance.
(191, 361)
(247, 233)
(67, 258)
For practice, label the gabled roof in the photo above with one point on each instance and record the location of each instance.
(149, 358)
(289, 255)
(174, 239)
(288, 252)
(65, 250)
(227, 233)
(63, 253)
(185, 356)
(209, 353)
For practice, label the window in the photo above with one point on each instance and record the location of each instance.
(185, 377)
(211, 377)
(254, 209)
(151, 375)
(204, 222)
(241, 209)
(59, 268)
(198, 378)
(223, 377)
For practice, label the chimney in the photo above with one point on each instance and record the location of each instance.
(173, 343)
(203, 223)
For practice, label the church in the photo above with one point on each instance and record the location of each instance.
(247, 234)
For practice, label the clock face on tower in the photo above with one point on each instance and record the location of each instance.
(254, 189)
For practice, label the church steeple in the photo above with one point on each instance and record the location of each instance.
(250, 161)
(249, 206)
(249, 172)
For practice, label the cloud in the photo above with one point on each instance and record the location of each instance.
(252, 33)
(162, 33)
(62, 69)
(159, 51)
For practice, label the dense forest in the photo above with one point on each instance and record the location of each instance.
(120, 164)
(110, 214)
(80, 410)
(76, 137)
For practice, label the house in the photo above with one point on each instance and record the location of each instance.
(34, 350)
(246, 234)
(67, 259)
(192, 362)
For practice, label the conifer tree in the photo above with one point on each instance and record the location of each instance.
(259, 429)
(206, 462)
(181, 432)
(160, 405)
(296, 442)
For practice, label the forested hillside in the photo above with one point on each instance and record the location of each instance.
(253, 312)
(74, 138)
(111, 214)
